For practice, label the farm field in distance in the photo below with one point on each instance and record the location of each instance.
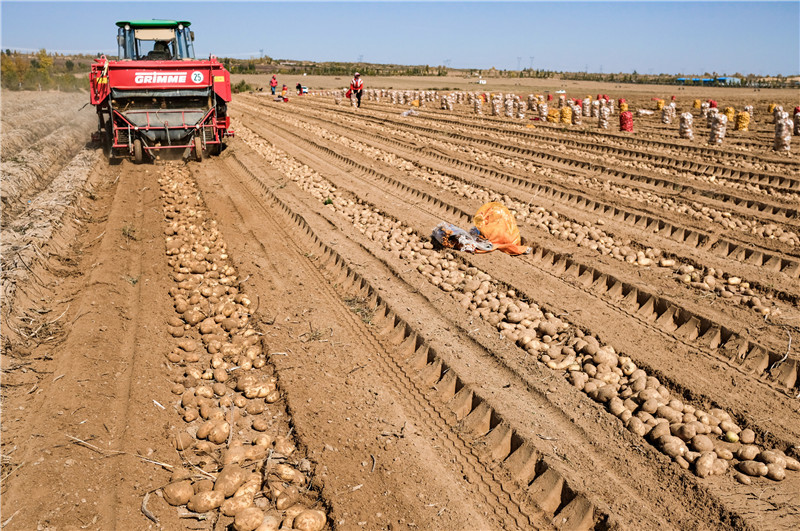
(280, 314)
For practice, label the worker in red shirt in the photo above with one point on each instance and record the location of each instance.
(273, 84)
(357, 87)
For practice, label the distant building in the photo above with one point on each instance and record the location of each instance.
(729, 81)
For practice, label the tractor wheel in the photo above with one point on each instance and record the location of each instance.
(106, 143)
(198, 148)
(137, 151)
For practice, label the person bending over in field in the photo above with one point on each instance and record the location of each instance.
(357, 87)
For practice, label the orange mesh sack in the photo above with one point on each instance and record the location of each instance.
(499, 227)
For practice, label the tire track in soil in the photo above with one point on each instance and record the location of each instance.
(663, 315)
(312, 165)
(507, 509)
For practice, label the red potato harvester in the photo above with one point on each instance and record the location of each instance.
(156, 95)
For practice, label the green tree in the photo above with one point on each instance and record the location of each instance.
(45, 61)
(70, 65)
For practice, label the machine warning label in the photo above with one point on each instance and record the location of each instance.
(197, 76)
(162, 77)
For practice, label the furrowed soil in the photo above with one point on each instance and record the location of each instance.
(272, 334)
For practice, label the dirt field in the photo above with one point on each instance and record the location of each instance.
(276, 324)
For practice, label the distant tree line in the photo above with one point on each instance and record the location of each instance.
(45, 71)
(270, 66)
(41, 71)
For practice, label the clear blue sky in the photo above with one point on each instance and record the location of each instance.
(651, 37)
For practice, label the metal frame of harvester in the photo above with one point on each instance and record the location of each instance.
(161, 98)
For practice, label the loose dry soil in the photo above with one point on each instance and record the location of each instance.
(288, 295)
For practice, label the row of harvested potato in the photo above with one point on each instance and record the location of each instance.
(582, 234)
(226, 385)
(704, 441)
(695, 210)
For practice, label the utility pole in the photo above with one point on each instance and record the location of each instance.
(531, 58)
(261, 51)
(360, 58)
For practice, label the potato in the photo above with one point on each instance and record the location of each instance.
(792, 463)
(648, 394)
(666, 412)
(753, 468)
(719, 467)
(260, 424)
(204, 430)
(310, 520)
(178, 493)
(220, 374)
(702, 443)
(234, 455)
(659, 430)
(250, 487)
(183, 441)
(731, 437)
(636, 426)
(704, 464)
(616, 406)
(203, 485)
(188, 399)
(248, 519)
(673, 446)
(747, 436)
(743, 479)
(188, 345)
(204, 391)
(723, 453)
(234, 505)
(747, 452)
(255, 407)
(776, 472)
(230, 479)
(284, 446)
(286, 500)
(770, 456)
(205, 501)
(269, 523)
(180, 473)
(579, 379)
(203, 447)
(289, 474)
(192, 317)
(219, 433)
(272, 397)
(263, 439)
(255, 452)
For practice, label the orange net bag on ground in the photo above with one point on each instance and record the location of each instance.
(498, 225)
